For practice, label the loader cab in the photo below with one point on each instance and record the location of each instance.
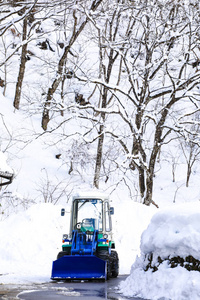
(89, 214)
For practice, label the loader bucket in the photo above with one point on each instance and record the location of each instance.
(79, 267)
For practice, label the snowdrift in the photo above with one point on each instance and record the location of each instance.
(29, 242)
(173, 232)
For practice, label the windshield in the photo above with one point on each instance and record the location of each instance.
(88, 214)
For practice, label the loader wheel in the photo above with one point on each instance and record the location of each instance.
(61, 254)
(104, 255)
(115, 264)
(109, 270)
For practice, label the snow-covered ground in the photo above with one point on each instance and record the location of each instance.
(30, 241)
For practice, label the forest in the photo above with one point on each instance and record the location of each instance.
(114, 84)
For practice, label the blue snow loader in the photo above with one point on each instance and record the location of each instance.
(88, 251)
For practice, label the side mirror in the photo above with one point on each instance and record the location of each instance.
(112, 210)
(62, 212)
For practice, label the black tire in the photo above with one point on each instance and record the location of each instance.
(109, 269)
(104, 255)
(61, 254)
(114, 264)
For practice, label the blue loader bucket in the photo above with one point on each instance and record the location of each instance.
(79, 267)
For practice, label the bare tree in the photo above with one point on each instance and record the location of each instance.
(21, 67)
(163, 82)
(160, 78)
(191, 148)
(29, 16)
(134, 96)
(110, 34)
(78, 26)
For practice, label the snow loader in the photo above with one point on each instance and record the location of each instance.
(88, 251)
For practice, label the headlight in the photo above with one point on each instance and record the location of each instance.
(65, 236)
(105, 236)
(78, 226)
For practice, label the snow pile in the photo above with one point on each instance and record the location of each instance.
(129, 221)
(165, 284)
(30, 242)
(172, 232)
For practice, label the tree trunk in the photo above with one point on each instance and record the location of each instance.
(149, 189)
(141, 181)
(100, 142)
(156, 149)
(18, 90)
(99, 157)
(189, 171)
(107, 75)
(150, 171)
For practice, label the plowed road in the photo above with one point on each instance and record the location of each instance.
(60, 290)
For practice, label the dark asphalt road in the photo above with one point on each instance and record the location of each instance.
(71, 290)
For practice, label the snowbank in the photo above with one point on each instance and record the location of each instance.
(165, 284)
(29, 243)
(129, 221)
(172, 232)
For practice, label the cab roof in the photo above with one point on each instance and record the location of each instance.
(91, 195)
